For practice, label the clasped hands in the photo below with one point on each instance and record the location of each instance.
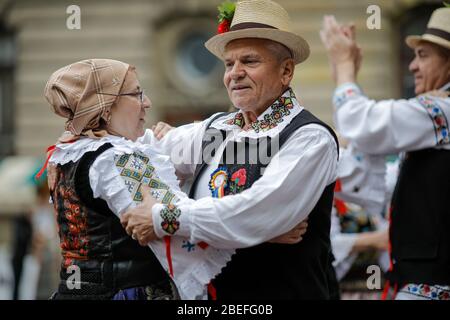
(138, 223)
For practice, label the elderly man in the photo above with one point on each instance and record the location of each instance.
(244, 201)
(418, 127)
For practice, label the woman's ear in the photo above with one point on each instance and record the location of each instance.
(287, 69)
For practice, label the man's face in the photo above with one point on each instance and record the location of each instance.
(253, 75)
(430, 68)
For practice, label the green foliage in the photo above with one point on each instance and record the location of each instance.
(226, 10)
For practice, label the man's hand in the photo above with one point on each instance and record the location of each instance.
(138, 222)
(161, 129)
(343, 52)
(294, 236)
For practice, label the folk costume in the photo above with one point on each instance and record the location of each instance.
(256, 198)
(419, 128)
(260, 182)
(99, 177)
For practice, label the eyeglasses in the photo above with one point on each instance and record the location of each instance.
(140, 94)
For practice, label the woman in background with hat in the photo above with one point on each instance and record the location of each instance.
(417, 128)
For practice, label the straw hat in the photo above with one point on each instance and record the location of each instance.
(262, 19)
(438, 30)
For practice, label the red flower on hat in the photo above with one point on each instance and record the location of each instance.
(223, 27)
(226, 13)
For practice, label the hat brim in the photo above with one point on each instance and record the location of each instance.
(413, 41)
(298, 46)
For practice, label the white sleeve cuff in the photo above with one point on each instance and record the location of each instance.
(169, 220)
(345, 92)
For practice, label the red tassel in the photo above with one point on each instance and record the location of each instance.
(387, 285)
(340, 205)
(50, 151)
(391, 264)
(212, 291)
(168, 254)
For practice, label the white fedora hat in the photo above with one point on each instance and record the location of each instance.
(263, 19)
(438, 30)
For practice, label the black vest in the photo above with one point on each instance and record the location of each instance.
(93, 239)
(420, 219)
(278, 271)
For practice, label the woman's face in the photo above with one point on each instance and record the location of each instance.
(128, 113)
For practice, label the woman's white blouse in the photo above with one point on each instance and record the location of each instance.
(194, 265)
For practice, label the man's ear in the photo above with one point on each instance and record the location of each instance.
(287, 69)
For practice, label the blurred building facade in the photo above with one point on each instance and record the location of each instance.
(164, 39)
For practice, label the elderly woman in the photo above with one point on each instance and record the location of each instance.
(106, 107)
(103, 170)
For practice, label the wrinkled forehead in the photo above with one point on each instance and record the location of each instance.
(247, 46)
(431, 48)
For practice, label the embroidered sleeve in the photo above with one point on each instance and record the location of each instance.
(169, 215)
(391, 126)
(121, 188)
(246, 219)
(119, 177)
(438, 118)
(170, 219)
(345, 92)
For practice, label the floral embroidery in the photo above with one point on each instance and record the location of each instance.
(342, 96)
(278, 110)
(238, 180)
(73, 234)
(170, 214)
(427, 291)
(438, 117)
(221, 184)
(238, 120)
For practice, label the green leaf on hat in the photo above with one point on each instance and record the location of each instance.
(226, 11)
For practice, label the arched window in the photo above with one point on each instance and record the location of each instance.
(413, 22)
(7, 54)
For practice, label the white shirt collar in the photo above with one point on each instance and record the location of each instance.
(270, 123)
(445, 87)
(67, 152)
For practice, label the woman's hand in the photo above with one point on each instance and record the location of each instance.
(138, 222)
(161, 129)
(294, 236)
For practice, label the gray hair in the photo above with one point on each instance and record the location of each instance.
(280, 51)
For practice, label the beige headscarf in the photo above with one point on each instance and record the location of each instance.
(74, 92)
